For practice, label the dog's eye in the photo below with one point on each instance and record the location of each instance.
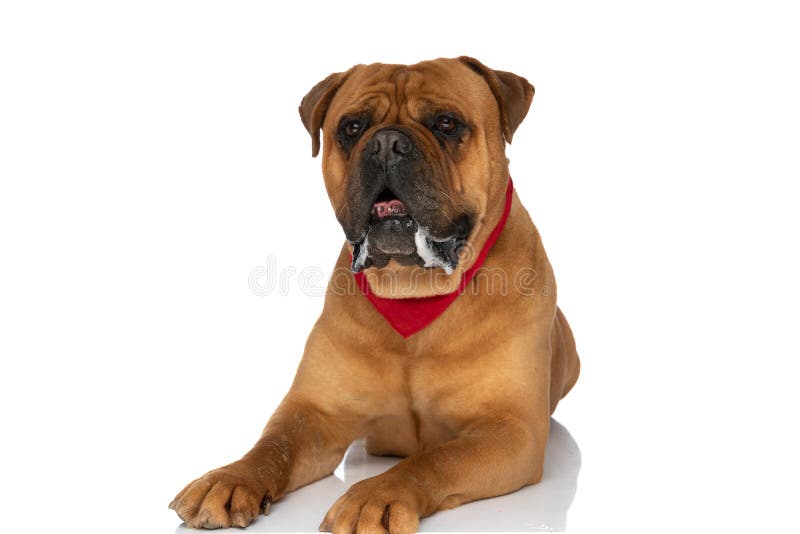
(352, 128)
(447, 125)
(350, 131)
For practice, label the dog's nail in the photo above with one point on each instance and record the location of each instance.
(240, 519)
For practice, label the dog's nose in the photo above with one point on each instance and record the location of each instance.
(389, 146)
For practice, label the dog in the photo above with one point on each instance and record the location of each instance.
(440, 340)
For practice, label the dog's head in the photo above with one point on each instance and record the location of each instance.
(414, 155)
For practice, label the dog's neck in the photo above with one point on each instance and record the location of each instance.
(395, 281)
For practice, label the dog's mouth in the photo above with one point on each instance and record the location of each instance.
(385, 206)
(393, 233)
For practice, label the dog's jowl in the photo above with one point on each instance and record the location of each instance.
(446, 347)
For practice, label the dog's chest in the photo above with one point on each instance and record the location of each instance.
(433, 403)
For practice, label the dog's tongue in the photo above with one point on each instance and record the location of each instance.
(389, 208)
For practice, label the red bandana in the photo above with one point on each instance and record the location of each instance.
(409, 316)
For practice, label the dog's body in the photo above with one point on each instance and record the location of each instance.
(467, 399)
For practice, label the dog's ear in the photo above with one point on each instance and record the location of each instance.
(513, 93)
(315, 104)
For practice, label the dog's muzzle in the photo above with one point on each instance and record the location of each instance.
(399, 197)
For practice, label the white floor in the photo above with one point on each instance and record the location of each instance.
(542, 507)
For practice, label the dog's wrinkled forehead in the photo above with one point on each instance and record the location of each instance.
(484, 96)
(393, 94)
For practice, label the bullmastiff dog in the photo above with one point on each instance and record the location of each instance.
(440, 340)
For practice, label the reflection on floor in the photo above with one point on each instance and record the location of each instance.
(541, 507)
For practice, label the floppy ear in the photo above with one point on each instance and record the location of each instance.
(315, 104)
(513, 93)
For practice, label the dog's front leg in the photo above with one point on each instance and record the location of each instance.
(300, 444)
(488, 458)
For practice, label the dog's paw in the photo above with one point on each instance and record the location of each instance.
(380, 504)
(226, 497)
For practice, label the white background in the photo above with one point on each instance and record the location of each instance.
(151, 156)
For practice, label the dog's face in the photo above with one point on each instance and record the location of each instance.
(414, 155)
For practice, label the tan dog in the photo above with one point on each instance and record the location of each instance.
(414, 164)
